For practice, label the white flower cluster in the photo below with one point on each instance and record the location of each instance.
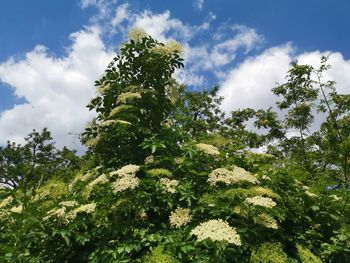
(86, 177)
(104, 88)
(8, 200)
(180, 217)
(40, 195)
(242, 175)
(266, 221)
(126, 178)
(92, 142)
(125, 182)
(115, 111)
(137, 34)
(102, 179)
(216, 230)
(261, 201)
(17, 209)
(207, 148)
(149, 159)
(169, 185)
(220, 175)
(230, 177)
(87, 208)
(68, 216)
(123, 97)
(170, 48)
(129, 169)
(68, 203)
(335, 197)
(310, 194)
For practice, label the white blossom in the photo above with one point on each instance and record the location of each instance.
(169, 185)
(180, 217)
(207, 148)
(216, 230)
(261, 201)
(266, 221)
(125, 182)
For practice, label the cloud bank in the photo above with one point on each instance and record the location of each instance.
(58, 88)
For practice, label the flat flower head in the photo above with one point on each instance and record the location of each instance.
(261, 201)
(137, 34)
(216, 230)
(207, 149)
(180, 217)
(8, 200)
(169, 185)
(266, 221)
(129, 169)
(228, 177)
(125, 182)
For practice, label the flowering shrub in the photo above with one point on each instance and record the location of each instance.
(151, 192)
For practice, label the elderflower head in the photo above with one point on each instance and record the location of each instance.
(335, 197)
(310, 194)
(261, 201)
(242, 175)
(220, 175)
(137, 34)
(17, 209)
(123, 97)
(266, 221)
(87, 177)
(169, 49)
(216, 230)
(149, 159)
(169, 185)
(129, 169)
(207, 148)
(125, 182)
(121, 108)
(68, 203)
(102, 179)
(180, 217)
(87, 208)
(230, 177)
(8, 200)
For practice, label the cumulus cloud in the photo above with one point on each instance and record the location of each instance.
(249, 84)
(56, 89)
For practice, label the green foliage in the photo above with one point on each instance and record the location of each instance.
(159, 256)
(306, 256)
(269, 253)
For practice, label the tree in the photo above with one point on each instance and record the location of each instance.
(132, 103)
(34, 163)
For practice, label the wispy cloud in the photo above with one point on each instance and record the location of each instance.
(198, 4)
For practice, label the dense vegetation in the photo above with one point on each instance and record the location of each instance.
(168, 177)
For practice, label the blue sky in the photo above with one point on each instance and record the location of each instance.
(51, 51)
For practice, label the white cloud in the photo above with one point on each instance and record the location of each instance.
(121, 14)
(224, 51)
(198, 4)
(162, 26)
(56, 89)
(249, 84)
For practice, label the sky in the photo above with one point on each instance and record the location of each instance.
(51, 52)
